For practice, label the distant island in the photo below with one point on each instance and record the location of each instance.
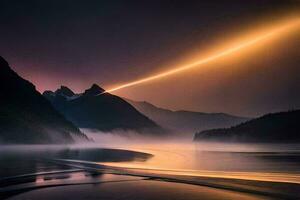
(26, 117)
(281, 127)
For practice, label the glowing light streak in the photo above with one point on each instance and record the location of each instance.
(223, 53)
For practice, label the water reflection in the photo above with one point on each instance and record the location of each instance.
(252, 162)
(33, 167)
(219, 157)
(29, 160)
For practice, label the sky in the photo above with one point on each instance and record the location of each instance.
(78, 43)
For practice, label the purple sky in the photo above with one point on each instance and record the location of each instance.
(77, 43)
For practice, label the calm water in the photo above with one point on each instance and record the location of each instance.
(20, 160)
(27, 168)
(220, 157)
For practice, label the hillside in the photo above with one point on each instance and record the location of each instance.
(276, 127)
(27, 117)
(95, 109)
(186, 121)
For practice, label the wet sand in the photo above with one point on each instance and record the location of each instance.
(135, 189)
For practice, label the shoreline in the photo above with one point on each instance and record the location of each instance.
(251, 187)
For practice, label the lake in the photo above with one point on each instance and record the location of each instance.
(243, 170)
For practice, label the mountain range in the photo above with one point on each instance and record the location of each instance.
(96, 109)
(281, 127)
(27, 117)
(186, 122)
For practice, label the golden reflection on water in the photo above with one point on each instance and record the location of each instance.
(210, 161)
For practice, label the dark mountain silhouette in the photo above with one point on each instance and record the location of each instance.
(65, 91)
(276, 127)
(26, 116)
(95, 109)
(186, 121)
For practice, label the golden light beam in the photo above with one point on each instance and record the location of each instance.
(287, 26)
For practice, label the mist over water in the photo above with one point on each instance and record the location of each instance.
(118, 160)
(128, 150)
(179, 154)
